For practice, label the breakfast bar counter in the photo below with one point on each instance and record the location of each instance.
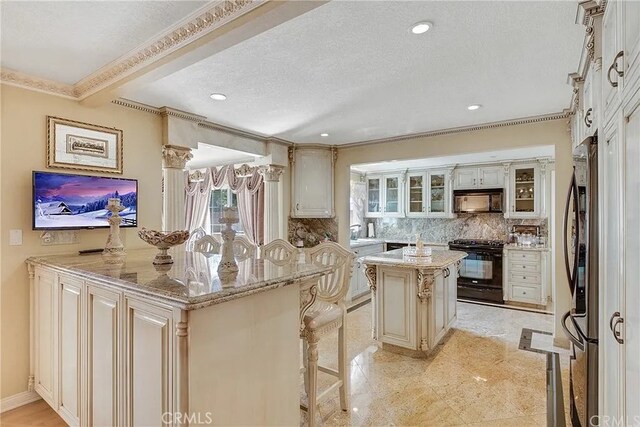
(414, 299)
(139, 344)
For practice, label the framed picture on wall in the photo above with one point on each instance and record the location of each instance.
(83, 146)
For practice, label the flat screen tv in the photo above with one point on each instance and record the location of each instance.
(70, 202)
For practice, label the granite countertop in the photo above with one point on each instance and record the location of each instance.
(439, 259)
(373, 241)
(512, 246)
(191, 282)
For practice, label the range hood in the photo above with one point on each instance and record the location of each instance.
(478, 201)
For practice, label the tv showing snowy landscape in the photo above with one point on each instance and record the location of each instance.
(64, 201)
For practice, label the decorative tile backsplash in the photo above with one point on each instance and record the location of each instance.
(466, 226)
(312, 230)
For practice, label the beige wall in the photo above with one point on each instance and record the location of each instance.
(528, 135)
(23, 144)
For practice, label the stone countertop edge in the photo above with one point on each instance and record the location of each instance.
(440, 259)
(186, 303)
(511, 247)
(374, 241)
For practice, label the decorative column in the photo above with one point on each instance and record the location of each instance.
(174, 160)
(271, 174)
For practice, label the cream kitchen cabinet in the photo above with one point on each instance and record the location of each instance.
(359, 285)
(451, 274)
(385, 195)
(526, 191)
(526, 276)
(428, 194)
(75, 321)
(478, 177)
(312, 182)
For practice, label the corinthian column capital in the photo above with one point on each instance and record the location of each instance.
(175, 156)
(271, 173)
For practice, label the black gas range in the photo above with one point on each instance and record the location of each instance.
(481, 271)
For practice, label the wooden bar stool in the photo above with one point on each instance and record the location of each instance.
(327, 313)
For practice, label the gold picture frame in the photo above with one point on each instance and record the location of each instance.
(83, 146)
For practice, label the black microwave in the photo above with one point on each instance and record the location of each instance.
(478, 201)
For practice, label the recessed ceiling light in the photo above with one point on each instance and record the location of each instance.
(324, 134)
(218, 96)
(421, 27)
(474, 107)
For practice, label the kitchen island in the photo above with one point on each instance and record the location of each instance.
(138, 344)
(414, 301)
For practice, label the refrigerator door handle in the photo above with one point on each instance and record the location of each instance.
(572, 190)
(575, 340)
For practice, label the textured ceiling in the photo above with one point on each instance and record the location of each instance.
(66, 41)
(353, 69)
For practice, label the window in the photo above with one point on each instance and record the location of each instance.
(219, 199)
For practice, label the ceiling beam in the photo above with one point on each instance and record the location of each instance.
(250, 18)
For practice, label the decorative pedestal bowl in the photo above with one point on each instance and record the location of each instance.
(163, 240)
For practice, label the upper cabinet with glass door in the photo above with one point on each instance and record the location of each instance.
(525, 191)
(385, 195)
(428, 194)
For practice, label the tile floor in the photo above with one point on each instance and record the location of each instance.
(478, 377)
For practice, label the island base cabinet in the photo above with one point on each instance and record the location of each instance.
(103, 357)
(397, 307)
(414, 308)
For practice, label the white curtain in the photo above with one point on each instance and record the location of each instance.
(250, 193)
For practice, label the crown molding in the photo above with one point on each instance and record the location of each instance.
(26, 81)
(200, 23)
(168, 111)
(136, 105)
(450, 131)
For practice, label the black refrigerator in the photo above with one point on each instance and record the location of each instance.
(581, 261)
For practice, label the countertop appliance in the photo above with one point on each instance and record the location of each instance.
(478, 201)
(581, 262)
(481, 271)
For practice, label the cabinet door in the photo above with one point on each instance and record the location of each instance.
(491, 177)
(149, 340)
(416, 189)
(70, 347)
(631, 27)
(104, 360)
(396, 307)
(610, 47)
(631, 269)
(525, 197)
(393, 195)
(611, 296)
(438, 193)
(439, 308)
(313, 183)
(46, 321)
(374, 196)
(465, 178)
(452, 293)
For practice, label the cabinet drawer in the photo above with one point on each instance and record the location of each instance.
(531, 278)
(525, 293)
(521, 267)
(524, 256)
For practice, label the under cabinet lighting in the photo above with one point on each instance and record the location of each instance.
(324, 134)
(474, 107)
(218, 96)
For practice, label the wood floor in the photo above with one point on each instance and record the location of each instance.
(34, 414)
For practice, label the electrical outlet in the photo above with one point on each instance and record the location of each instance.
(15, 237)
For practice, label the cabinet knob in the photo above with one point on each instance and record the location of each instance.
(524, 292)
(524, 277)
(524, 266)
